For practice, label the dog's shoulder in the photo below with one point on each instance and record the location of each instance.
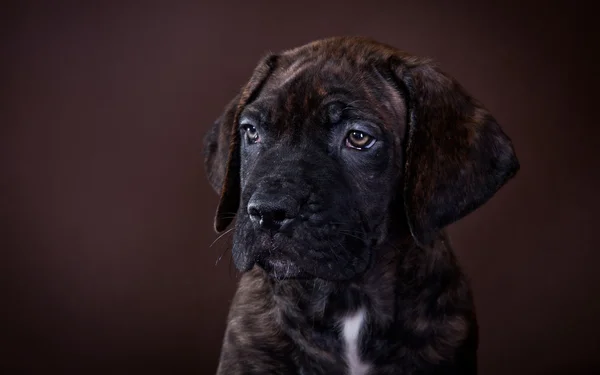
(435, 305)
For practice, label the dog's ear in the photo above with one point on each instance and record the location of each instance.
(457, 156)
(216, 146)
(222, 147)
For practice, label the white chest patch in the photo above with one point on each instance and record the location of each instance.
(351, 326)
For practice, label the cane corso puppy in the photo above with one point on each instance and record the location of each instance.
(342, 161)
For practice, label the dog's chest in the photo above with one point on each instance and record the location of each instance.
(351, 327)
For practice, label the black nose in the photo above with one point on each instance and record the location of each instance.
(274, 212)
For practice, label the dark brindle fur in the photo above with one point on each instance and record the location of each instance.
(323, 229)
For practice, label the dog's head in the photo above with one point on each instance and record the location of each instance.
(332, 146)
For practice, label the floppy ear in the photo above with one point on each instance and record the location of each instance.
(216, 146)
(457, 156)
(222, 147)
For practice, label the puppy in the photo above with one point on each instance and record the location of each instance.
(342, 162)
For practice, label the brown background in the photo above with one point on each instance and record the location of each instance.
(107, 215)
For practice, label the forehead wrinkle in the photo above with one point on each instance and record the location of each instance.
(292, 72)
(371, 93)
(390, 101)
(306, 87)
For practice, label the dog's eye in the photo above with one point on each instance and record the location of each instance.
(359, 140)
(251, 133)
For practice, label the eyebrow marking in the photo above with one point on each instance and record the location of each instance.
(334, 111)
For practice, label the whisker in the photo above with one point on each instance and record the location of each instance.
(221, 236)
(221, 256)
(353, 235)
(229, 266)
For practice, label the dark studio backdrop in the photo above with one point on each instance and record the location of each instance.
(107, 214)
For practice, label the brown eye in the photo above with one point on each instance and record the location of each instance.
(251, 134)
(359, 140)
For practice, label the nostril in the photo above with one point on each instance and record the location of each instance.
(278, 216)
(254, 212)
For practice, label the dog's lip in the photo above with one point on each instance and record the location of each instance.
(281, 268)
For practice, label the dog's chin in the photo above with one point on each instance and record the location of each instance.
(281, 267)
(278, 269)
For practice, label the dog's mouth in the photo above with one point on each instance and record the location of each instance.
(298, 256)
